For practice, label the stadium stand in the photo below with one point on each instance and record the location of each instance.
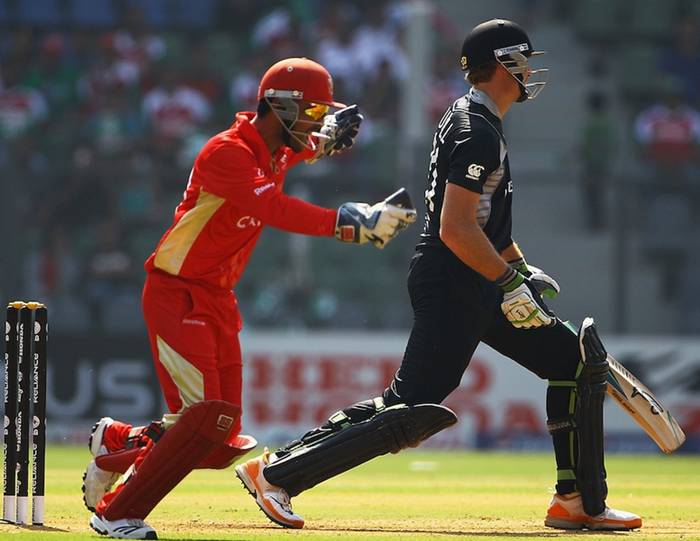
(80, 81)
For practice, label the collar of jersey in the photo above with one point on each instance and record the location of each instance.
(481, 97)
(253, 138)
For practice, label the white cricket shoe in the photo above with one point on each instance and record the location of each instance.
(272, 500)
(123, 528)
(96, 481)
(566, 512)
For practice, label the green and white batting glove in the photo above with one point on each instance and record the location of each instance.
(379, 223)
(522, 304)
(543, 283)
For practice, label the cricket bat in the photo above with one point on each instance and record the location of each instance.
(639, 402)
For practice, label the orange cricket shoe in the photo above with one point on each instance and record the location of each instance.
(272, 500)
(566, 512)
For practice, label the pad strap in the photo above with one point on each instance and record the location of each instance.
(558, 426)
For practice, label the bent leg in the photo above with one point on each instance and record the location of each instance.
(200, 429)
(367, 430)
(451, 311)
(574, 365)
(230, 368)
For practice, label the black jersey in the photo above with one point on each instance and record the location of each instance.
(469, 150)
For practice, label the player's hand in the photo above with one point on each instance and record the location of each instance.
(338, 132)
(522, 304)
(360, 223)
(543, 283)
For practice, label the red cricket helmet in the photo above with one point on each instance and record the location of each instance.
(299, 79)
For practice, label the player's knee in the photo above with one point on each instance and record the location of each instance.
(213, 420)
(412, 393)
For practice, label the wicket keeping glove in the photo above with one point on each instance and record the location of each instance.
(360, 223)
(522, 304)
(543, 283)
(338, 132)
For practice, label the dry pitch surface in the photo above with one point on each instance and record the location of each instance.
(410, 496)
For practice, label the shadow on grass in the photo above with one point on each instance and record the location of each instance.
(5, 526)
(486, 532)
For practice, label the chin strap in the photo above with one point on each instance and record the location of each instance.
(286, 110)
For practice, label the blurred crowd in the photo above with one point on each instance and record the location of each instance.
(104, 105)
(657, 85)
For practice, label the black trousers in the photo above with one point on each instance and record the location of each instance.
(455, 308)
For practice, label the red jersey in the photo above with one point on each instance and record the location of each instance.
(234, 190)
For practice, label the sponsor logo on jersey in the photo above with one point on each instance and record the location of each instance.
(248, 221)
(474, 171)
(188, 321)
(262, 189)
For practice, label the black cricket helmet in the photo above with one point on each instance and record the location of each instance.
(508, 44)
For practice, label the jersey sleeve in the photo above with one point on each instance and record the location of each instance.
(233, 174)
(475, 155)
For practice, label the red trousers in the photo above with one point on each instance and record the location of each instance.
(193, 331)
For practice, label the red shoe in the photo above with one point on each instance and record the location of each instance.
(566, 512)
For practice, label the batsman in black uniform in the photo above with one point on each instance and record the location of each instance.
(469, 283)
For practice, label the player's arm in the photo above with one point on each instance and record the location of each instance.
(356, 223)
(512, 253)
(462, 234)
(475, 155)
(232, 173)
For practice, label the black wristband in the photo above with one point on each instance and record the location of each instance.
(520, 265)
(509, 280)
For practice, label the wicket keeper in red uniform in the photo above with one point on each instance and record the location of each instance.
(234, 190)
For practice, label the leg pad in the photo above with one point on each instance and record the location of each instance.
(342, 444)
(591, 388)
(225, 455)
(200, 429)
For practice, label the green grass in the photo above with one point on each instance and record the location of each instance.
(410, 496)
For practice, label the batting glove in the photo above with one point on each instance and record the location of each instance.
(338, 132)
(543, 283)
(360, 223)
(522, 304)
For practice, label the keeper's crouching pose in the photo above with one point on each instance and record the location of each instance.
(234, 190)
(469, 283)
